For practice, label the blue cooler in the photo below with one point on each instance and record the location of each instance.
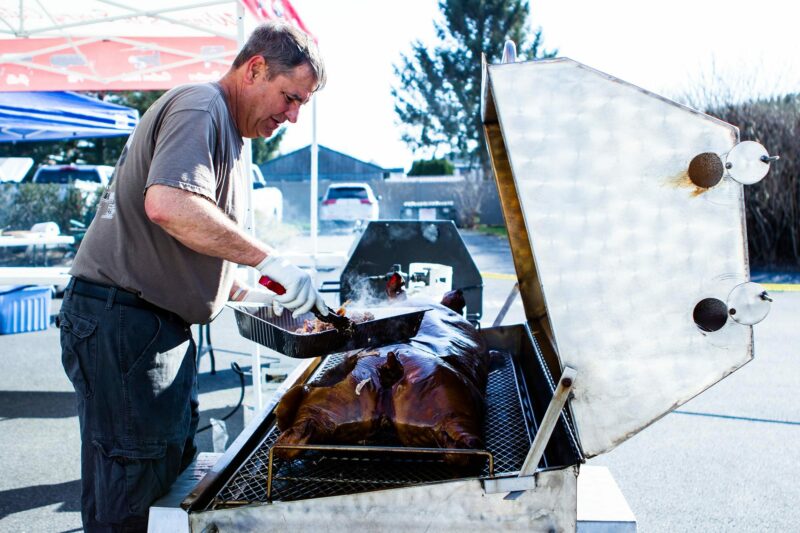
(24, 308)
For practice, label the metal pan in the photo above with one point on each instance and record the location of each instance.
(261, 325)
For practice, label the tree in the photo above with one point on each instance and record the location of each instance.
(266, 149)
(431, 167)
(437, 98)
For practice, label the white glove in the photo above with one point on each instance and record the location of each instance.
(300, 294)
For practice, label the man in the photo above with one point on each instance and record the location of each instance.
(159, 256)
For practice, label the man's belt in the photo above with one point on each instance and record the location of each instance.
(98, 291)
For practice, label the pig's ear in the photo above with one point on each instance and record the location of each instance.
(454, 300)
(391, 371)
(339, 372)
(287, 408)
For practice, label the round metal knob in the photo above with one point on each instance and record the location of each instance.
(748, 162)
(706, 170)
(748, 303)
(710, 314)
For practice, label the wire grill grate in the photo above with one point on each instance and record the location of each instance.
(320, 474)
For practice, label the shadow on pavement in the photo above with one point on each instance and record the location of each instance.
(224, 379)
(37, 404)
(25, 498)
(234, 425)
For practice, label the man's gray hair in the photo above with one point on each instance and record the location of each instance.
(284, 48)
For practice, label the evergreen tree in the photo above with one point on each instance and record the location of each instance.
(431, 167)
(437, 97)
(266, 149)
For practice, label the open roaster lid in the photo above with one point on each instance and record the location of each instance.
(630, 266)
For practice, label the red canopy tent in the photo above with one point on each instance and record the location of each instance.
(48, 45)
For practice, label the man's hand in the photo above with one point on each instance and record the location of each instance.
(300, 294)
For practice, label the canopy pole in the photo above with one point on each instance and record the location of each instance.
(314, 179)
(250, 219)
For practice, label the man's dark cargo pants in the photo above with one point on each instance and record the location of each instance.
(133, 369)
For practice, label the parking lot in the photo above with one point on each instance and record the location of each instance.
(725, 461)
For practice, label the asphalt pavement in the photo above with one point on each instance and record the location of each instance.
(725, 461)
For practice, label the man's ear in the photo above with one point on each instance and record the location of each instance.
(256, 68)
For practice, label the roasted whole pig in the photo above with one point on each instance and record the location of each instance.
(429, 392)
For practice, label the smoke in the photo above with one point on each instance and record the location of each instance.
(365, 292)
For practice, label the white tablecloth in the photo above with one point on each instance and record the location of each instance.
(57, 276)
(36, 239)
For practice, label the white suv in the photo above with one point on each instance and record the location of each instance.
(92, 180)
(347, 203)
(85, 177)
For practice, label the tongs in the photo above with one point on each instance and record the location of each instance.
(341, 323)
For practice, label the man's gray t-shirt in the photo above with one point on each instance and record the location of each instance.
(188, 140)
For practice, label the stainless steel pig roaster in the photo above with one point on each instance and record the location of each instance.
(625, 215)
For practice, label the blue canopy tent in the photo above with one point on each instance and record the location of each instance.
(61, 115)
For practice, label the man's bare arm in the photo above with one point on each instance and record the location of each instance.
(200, 225)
